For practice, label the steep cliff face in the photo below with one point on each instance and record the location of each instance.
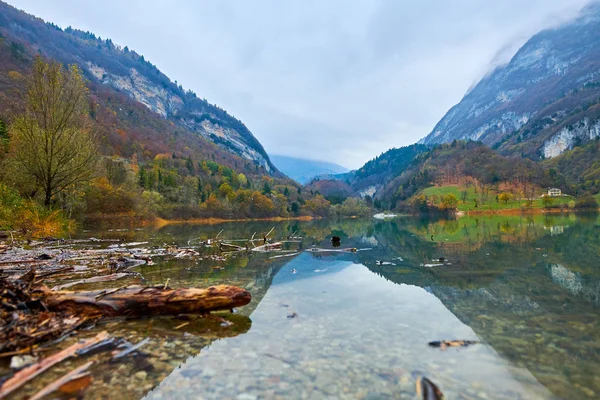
(127, 72)
(552, 66)
(566, 138)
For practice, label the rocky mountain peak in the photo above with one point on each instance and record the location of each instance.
(550, 66)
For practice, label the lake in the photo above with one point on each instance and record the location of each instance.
(356, 325)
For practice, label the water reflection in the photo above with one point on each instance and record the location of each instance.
(528, 287)
(354, 335)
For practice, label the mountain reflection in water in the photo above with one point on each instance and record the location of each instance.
(357, 325)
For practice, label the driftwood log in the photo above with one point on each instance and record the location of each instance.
(136, 301)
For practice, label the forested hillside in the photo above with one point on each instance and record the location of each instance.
(161, 150)
(471, 164)
(140, 109)
(581, 167)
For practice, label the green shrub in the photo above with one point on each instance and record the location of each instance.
(10, 205)
(587, 201)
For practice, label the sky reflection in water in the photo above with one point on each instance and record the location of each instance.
(355, 335)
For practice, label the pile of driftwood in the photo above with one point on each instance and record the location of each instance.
(31, 314)
(38, 307)
(265, 241)
(25, 320)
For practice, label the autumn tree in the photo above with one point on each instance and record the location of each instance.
(242, 180)
(318, 206)
(449, 201)
(261, 205)
(419, 203)
(547, 201)
(505, 197)
(51, 142)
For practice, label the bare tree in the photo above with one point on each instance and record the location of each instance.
(51, 142)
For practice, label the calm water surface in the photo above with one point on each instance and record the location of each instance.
(356, 325)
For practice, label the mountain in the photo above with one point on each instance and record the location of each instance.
(467, 163)
(544, 101)
(372, 177)
(334, 190)
(302, 170)
(138, 106)
(527, 125)
(377, 172)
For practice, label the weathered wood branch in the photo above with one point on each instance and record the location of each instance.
(76, 374)
(268, 247)
(95, 279)
(145, 301)
(224, 247)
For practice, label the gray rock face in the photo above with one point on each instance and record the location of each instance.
(186, 110)
(566, 138)
(550, 65)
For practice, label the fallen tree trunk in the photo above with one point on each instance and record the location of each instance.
(145, 301)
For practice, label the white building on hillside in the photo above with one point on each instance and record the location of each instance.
(554, 192)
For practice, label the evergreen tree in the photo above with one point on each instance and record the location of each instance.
(266, 188)
(295, 208)
(3, 135)
(160, 180)
(199, 186)
(143, 179)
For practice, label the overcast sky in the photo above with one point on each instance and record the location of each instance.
(335, 80)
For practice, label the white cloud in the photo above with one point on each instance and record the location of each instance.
(333, 80)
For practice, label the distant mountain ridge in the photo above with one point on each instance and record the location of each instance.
(523, 107)
(304, 170)
(125, 72)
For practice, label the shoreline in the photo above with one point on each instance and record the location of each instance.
(520, 211)
(213, 220)
(515, 211)
(159, 222)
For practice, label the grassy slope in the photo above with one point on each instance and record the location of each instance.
(491, 204)
(505, 227)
